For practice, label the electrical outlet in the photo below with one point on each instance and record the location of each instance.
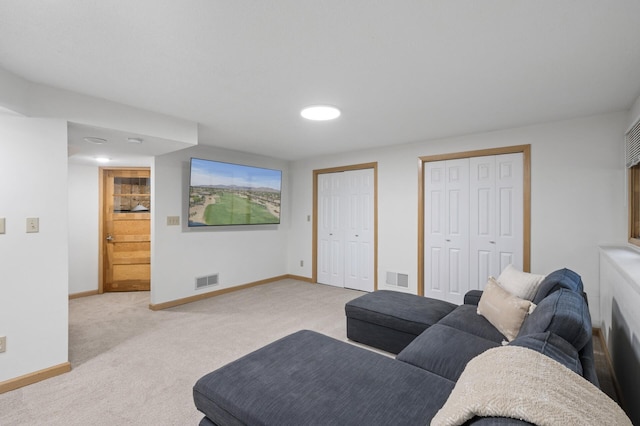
(3, 343)
(301, 263)
(33, 224)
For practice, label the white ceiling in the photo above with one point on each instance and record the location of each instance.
(401, 71)
(118, 148)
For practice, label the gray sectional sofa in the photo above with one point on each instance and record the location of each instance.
(310, 379)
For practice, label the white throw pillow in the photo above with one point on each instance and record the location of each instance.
(503, 310)
(521, 284)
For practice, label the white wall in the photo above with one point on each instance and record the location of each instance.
(620, 282)
(634, 112)
(14, 91)
(619, 300)
(577, 196)
(83, 228)
(33, 267)
(45, 101)
(240, 255)
(37, 100)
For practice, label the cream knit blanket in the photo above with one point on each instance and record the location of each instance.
(520, 383)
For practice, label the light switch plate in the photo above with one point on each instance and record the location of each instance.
(173, 220)
(33, 224)
(2, 224)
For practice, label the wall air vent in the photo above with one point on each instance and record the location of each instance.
(397, 280)
(403, 280)
(208, 281)
(392, 278)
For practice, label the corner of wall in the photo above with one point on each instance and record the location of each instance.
(14, 92)
(35, 263)
(634, 112)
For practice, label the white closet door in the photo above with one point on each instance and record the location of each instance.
(330, 230)
(482, 242)
(435, 213)
(496, 190)
(457, 238)
(509, 211)
(346, 229)
(359, 230)
(473, 222)
(447, 229)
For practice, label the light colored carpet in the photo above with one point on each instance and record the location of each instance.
(134, 366)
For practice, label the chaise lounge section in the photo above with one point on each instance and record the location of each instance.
(307, 378)
(390, 320)
(311, 379)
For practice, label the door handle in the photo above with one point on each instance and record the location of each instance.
(492, 242)
(109, 237)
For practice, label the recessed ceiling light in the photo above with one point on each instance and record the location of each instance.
(320, 112)
(103, 159)
(97, 141)
(135, 140)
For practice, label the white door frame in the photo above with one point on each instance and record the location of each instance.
(317, 172)
(526, 160)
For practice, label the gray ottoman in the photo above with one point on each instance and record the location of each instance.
(390, 320)
(309, 379)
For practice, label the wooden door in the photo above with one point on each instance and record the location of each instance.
(126, 230)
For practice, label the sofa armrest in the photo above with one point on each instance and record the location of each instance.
(472, 297)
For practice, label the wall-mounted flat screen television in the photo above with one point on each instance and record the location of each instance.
(233, 194)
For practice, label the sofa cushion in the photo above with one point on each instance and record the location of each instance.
(503, 310)
(400, 311)
(472, 297)
(564, 313)
(466, 318)
(519, 283)
(378, 336)
(562, 278)
(307, 378)
(554, 346)
(444, 350)
(588, 362)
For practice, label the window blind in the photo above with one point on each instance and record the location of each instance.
(633, 145)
